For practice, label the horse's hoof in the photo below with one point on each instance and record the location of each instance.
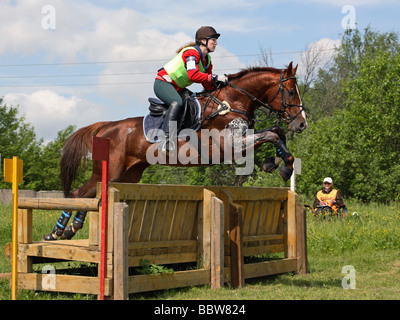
(269, 164)
(285, 173)
(68, 233)
(48, 237)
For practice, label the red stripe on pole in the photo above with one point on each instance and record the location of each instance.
(100, 152)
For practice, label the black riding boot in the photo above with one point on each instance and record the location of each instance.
(173, 113)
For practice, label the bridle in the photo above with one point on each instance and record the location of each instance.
(284, 105)
(256, 103)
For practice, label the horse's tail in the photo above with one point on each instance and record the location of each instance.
(75, 148)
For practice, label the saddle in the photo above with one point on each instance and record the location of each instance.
(190, 117)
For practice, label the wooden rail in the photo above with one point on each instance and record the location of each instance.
(83, 204)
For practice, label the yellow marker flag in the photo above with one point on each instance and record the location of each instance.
(13, 173)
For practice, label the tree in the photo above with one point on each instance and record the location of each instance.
(48, 163)
(358, 145)
(18, 138)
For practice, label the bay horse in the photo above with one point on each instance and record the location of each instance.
(247, 90)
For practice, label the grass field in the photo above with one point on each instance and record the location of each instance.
(369, 241)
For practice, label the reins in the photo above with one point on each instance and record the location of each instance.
(255, 101)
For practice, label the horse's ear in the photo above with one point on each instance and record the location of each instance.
(288, 71)
(294, 70)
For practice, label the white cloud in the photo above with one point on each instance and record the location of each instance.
(50, 112)
(318, 55)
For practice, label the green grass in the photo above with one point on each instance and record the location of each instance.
(368, 240)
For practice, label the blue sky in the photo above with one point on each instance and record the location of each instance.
(79, 62)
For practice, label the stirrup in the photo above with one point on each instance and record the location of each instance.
(168, 147)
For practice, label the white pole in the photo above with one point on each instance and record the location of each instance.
(293, 182)
(296, 170)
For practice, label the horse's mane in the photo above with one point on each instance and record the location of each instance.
(246, 71)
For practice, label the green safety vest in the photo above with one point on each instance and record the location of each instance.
(176, 68)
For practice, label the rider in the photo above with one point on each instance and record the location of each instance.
(192, 64)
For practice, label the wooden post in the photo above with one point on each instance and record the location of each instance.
(236, 244)
(301, 230)
(217, 243)
(121, 246)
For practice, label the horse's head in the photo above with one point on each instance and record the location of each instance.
(287, 101)
(272, 88)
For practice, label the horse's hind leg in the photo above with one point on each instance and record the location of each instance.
(75, 226)
(59, 228)
(64, 231)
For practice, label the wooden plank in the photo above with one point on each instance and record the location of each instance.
(276, 217)
(266, 268)
(257, 213)
(205, 240)
(264, 237)
(24, 225)
(167, 258)
(147, 219)
(136, 215)
(113, 197)
(59, 250)
(217, 244)
(83, 204)
(129, 191)
(168, 214)
(157, 223)
(236, 245)
(178, 219)
(63, 283)
(131, 209)
(291, 224)
(162, 244)
(142, 283)
(263, 221)
(121, 241)
(247, 212)
(189, 224)
(257, 193)
(226, 198)
(262, 249)
(94, 229)
(269, 216)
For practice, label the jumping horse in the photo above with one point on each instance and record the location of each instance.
(247, 90)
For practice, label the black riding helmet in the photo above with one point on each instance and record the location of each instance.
(206, 33)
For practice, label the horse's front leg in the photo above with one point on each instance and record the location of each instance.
(276, 136)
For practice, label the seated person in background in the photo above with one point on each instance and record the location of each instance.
(328, 200)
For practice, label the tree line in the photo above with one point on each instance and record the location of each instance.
(353, 110)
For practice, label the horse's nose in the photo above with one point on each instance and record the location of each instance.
(302, 126)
